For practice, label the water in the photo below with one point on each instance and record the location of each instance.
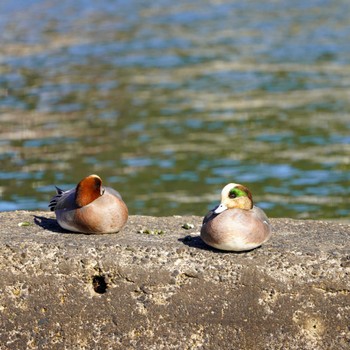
(169, 101)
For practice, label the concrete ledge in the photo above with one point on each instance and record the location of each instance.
(140, 291)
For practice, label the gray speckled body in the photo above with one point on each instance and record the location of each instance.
(236, 229)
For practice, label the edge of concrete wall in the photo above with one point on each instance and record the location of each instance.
(133, 290)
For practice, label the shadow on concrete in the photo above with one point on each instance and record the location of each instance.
(49, 224)
(197, 242)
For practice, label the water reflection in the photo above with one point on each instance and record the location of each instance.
(168, 101)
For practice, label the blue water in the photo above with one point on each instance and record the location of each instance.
(169, 101)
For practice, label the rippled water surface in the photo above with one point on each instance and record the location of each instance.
(170, 100)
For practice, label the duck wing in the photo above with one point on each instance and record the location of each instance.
(63, 200)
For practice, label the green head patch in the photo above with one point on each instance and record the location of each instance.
(237, 192)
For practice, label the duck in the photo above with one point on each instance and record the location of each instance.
(236, 224)
(90, 207)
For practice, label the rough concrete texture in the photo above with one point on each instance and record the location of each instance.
(139, 291)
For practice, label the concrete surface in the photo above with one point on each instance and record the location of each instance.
(130, 290)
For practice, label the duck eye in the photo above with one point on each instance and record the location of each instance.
(232, 195)
(102, 191)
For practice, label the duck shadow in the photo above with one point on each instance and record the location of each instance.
(198, 243)
(195, 242)
(49, 224)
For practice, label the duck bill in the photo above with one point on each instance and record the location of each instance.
(220, 208)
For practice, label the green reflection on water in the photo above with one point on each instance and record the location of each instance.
(168, 104)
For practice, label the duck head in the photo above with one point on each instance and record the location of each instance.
(88, 189)
(235, 196)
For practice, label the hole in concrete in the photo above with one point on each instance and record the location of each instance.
(99, 284)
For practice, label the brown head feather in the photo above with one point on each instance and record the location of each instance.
(88, 190)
